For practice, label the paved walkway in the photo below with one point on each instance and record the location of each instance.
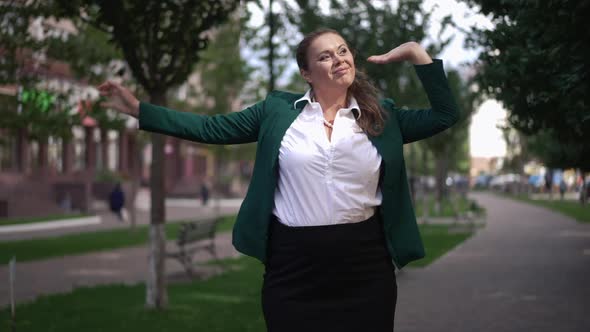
(176, 210)
(527, 270)
(127, 265)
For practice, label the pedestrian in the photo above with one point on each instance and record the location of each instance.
(204, 193)
(562, 188)
(117, 201)
(549, 183)
(328, 210)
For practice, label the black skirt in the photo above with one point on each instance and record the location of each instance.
(329, 278)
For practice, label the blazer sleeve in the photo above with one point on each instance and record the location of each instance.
(233, 128)
(420, 124)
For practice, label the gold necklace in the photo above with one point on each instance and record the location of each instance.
(329, 124)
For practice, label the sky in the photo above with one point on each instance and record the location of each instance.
(485, 137)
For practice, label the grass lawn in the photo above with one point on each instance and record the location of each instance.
(29, 250)
(570, 208)
(18, 221)
(437, 241)
(461, 204)
(228, 302)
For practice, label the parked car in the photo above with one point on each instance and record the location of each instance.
(482, 181)
(536, 183)
(506, 182)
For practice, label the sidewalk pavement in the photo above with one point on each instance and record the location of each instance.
(121, 266)
(527, 270)
(126, 265)
(176, 210)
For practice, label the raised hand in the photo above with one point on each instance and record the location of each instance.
(410, 51)
(119, 98)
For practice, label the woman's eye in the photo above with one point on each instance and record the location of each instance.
(324, 58)
(343, 51)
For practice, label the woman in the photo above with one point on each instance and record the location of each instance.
(328, 209)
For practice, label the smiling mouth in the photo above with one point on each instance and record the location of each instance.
(340, 71)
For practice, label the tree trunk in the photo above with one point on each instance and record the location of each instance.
(424, 185)
(412, 169)
(217, 185)
(271, 51)
(135, 152)
(583, 190)
(104, 148)
(90, 149)
(22, 151)
(441, 177)
(67, 155)
(42, 161)
(156, 292)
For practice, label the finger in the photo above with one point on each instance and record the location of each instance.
(106, 104)
(379, 59)
(113, 105)
(104, 86)
(376, 58)
(382, 58)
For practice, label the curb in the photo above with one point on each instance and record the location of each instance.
(50, 225)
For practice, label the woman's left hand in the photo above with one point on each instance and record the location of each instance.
(410, 51)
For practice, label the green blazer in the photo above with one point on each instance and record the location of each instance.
(266, 123)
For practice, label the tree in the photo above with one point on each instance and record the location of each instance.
(263, 39)
(448, 147)
(160, 41)
(219, 89)
(535, 61)
(555, 153)
(21, 57)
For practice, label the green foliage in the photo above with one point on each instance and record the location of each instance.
(26, 55)
(39, 113)
(160, 40)
(223, 77)
(106, 175)
(573, 209)
(535, 62)
(452, 144)
(450, 207)
(88, 53)
(558, 152)
(223, 80)
(438, 240)
(18, 45)
(263, 39)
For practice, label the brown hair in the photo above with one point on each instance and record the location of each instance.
(372, 119)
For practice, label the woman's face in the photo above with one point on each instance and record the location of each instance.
(330, 63)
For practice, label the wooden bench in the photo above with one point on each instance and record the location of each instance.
(193, 237)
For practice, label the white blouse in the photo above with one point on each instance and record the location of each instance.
(326, 182)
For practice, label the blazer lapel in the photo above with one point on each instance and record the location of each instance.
(283, 122)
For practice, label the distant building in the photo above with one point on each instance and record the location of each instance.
(38, 178)
(484, 165)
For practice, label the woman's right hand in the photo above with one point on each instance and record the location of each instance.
(119, 98)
